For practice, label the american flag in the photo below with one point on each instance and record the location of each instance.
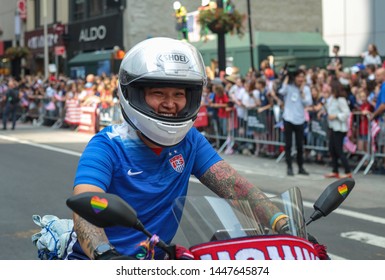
(375, 129)
(349, 145)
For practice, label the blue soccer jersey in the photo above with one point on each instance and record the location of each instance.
(117, 161)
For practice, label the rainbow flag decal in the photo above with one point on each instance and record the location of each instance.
(343, 190)
(98, 204)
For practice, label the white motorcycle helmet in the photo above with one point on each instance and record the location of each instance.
(161, 62)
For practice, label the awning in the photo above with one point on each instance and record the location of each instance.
(91, 57)
(298, 48)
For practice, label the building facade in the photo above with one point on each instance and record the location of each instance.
(353, 25)
(81, 31)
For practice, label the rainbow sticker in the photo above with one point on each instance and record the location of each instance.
(98, 204)
(343, 190)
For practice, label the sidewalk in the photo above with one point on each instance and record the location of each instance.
(45, 134)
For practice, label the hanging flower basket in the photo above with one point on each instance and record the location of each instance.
(217, 20)
(16, 52)
(217, 27)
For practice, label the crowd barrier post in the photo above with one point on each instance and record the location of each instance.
(227, 128)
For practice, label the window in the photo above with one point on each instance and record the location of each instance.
(113, 6)
(84, 9)
(95, 8)
(78, 9)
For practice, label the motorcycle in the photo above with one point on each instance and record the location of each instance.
(222, 229)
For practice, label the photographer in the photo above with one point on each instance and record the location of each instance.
(297, 96)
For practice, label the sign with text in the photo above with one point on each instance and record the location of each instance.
(60, 50)
(87, 119)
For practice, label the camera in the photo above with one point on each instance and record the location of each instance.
(289, 70)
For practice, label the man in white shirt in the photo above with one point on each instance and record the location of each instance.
(297, 96)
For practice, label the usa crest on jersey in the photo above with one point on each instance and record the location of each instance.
(177, 162)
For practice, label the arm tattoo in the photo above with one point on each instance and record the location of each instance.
(88, 235)
(226, 182)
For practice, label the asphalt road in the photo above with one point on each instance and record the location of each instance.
(38, 165)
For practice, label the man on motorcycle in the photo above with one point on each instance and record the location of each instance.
(148, 159)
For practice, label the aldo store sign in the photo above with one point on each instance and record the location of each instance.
(96, 34)
(93, 33)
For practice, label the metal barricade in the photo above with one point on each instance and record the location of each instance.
(47, 112)
(377, 135)
(216, 131)
(110, 115)
(358, 140)
(317, 135)
(264, 131)
(227, 128)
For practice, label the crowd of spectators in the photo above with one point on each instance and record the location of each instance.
(60, 99)
(249, 96)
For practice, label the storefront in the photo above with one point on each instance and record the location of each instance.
(5, 62)
(91, 48)
(34, 40)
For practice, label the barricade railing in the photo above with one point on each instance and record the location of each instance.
(377, 136)
(261, 131)
(359, 140)
(264, 130)
(94, 118)
(257, 129)
(53, 114)
(46, 110)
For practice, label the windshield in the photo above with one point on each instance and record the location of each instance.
(208, 218)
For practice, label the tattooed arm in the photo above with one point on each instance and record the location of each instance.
(226, 182)
(89, 236)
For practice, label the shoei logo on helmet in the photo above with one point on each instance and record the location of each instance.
(174, 57)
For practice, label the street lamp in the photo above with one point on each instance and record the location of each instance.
(17, 28)
(16, 63)
(45, 39)
(250, 36)
(221, 46)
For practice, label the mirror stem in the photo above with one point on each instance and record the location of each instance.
(168, 249)
(315, 216)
